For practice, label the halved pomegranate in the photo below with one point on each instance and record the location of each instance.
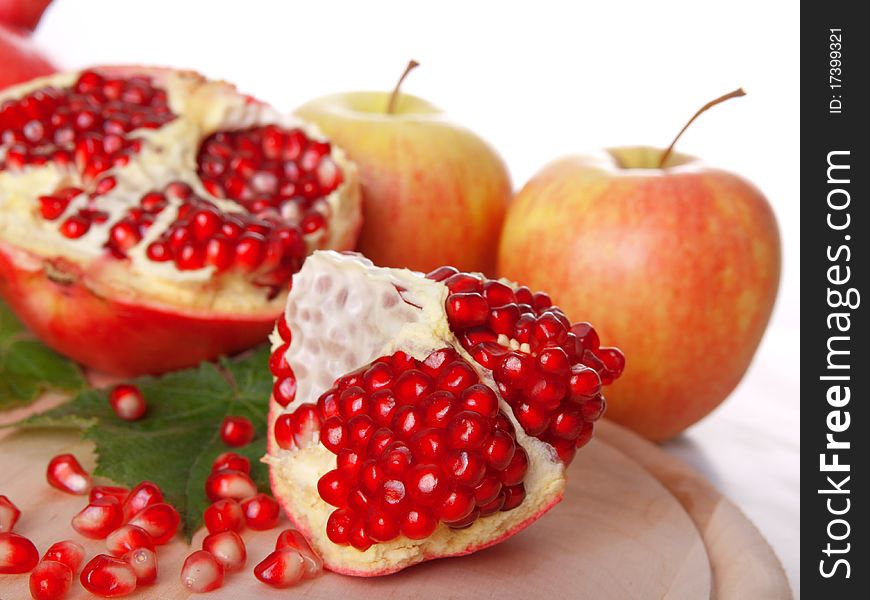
(415, 417)
(140, 206)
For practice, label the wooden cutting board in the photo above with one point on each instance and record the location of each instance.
(635, 523)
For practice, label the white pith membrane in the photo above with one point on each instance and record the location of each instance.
(343, 313)
(168, 154)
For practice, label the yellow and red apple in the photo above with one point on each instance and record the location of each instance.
(434, 193)
(678, 266)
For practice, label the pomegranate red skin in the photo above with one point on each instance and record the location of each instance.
(276, 409)
(20, 59)
(122, 338)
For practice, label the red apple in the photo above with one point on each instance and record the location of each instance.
(434, 193)
(678, 266)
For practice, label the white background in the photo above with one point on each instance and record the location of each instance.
(538, 80)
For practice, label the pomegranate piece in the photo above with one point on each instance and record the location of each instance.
(126, 538)
(228, 548)
(128, 402)
(223, 515)
(229, 484)
(108, 577)
(68, 552)
(99, 518)
(50, 580)
(168, 205)
(101, 491)
(237, 432)
(143, 561)
(17, 554)
(160, 521)
(440, 413)
(261, 512)
(143, 495)
(232, 461)
(66, 474)
(281, 569)
(9, 514)
(202, 572)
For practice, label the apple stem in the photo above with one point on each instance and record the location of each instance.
(735, 94)
(394, 97)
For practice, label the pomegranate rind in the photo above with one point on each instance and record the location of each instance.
(133, 311)
(335, 294)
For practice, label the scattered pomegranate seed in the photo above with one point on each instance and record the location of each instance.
(232, 461)
(126, 538)
(282, 568)
(127, 402)
(229, 484)
(108, 577)
(237, 431)
(224, 515)
(143, 561)
(100, 491)
(292, 538)
(9, 514)
(160, 521)
(143, 495)
(99, 518)
(67, 552)
(66, 474)
(17, 553)
(202, 572)
(50, 580)
(228, 548)
(261, 512)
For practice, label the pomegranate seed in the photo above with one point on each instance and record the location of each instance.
(333, 488)
(224, 515)
(143, 495)
(143, 561)
(442, 273)
(66, 474)
(50, 580)
(158, 252)
(237, 431)
(160, 521)
(126, 538)
(9, 514)
(480, 399)
(284, 390)
(101, 491)
(516, 470)
(231, 460)
(284, 429)
(229, 484)
(190, 257)
(219, 253)
(292, 538)
(17, 553)
(52, 207)
(261, 512)
(281, 569)
(461, 283)
(99, 518)
(250, 250)
(108, 577)
(67, 552)
(418, 524)
(127, 402)
(202, 572)
(228, 548)
(74, 227)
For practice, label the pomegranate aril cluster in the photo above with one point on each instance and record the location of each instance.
(85, 126)
(548, 370)
(416, 443)
(267, 168)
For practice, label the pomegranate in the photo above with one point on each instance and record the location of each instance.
(429, 416)
(20, 59)
(142, 205)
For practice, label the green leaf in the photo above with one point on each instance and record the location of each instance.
(28, 368)
(176, 442)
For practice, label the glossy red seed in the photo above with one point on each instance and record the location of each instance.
(464, 283)
(144, 564)
(68, 552)
(126, 538)
(229, 484)
(228, 548)
(202, 572)
(467, 430)
(284, 430)
(514, 496)
(17, 553)
(99, 518)
(467, 310)
(338, 526)
(480, 399)
(160, 521)
(284, 390)
(9, 514)
(381, 526)
(50, 580)
(237, 431)
(144, 494)
(281, 569)
(457, 505)
(231, 460)
(516, 470)
(333, 488)
(127, 402)
(99, 491)
(108, 577)
(223, 515)
(499, 450)
(66, 474)
(261, 512)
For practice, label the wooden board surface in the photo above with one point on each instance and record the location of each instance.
(635, 523)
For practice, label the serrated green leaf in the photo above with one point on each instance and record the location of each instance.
(176, 442)
(28, 368)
